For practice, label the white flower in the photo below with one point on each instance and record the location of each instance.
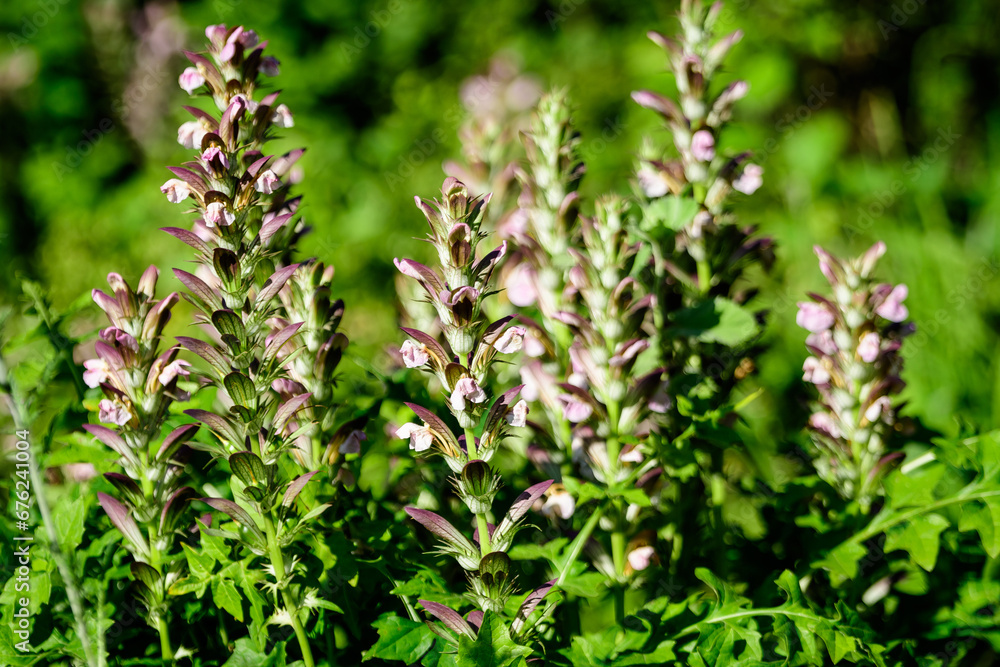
(176, 190)
(876, 409)
(518, 414)
(190, 134)
(814, 371)
(869, 347)
(216, 213)
(469, 390)
(640, 558)
(172, 370)
(282, 117)
(575, 410)
(191, 80)
(511, 340)
(420, 437)
(750, 179)
(112, 412)
(559, 504)
(96, 373)
(267, 183)
(414, 354)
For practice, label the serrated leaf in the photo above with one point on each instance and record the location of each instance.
(225, 595)
(69, 521)
(200, 564)
(920, 536)
(717, 321)
(492, 646)
(400, 639)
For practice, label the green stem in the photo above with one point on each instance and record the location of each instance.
(62, 562)
(704, 276)
(470, 444)
(618, 556)
(278, 565)
(161, 623)
(484, 534)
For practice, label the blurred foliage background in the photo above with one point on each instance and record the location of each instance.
(873, 120)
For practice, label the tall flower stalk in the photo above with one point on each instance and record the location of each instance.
(457, 287)
(249, 296)
(854, 339)
(139, 383)
(700, 250)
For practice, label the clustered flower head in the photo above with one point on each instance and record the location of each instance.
(545, 224)
(854, 341)
(139, 383)
(695, 56)
(457, 287)
(238, 190)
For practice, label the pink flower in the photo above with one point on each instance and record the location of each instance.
(814, 371)
(248, 104)
(575, 410)
(750, 180)
(216, 33)
(172, 370)
(112, 412)
(414, 354)
(533, 345)
(652, 182)
(191, 80)
(176, 190)
(892, 308)
(352, 444)
(703, 147)
(267, 183)
(511, 340)
(469, 390)
(190, 134)
(822, 341)
(216, 213)
(214, 152)
(420, 437)
(521, 286)
(869, 347)
(882, 405)
(517, 415)
(282, 117)
(631, 454)
(814, 317)
(560, 504)
(641, 557)
(96, 373)
(269, 66)
(824, 422)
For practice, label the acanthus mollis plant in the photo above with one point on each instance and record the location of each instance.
(591, 327)
(139, 382)
(244, 232)
(461, 364)
(499, 104)
(700, 249)
(854, 339)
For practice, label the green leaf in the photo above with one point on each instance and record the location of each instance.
(246, 655)
(213, 545)
(400, 639)
(225, 595)
(670, 213)
(69, 524)
(842, 561)
(920, 536)
(717, 321)
(985, 521)
(915, 489)
(200, 563)
(492, 646)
